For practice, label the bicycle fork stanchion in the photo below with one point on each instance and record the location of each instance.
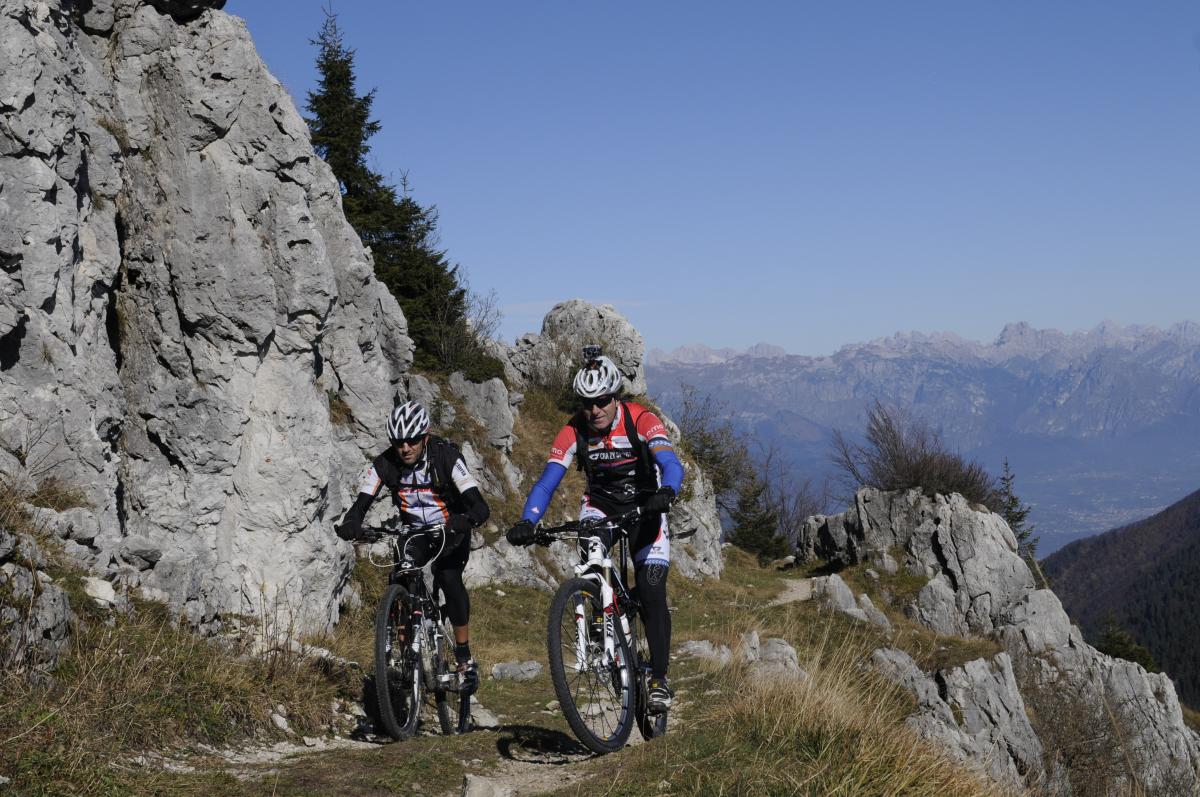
(582, 637)
(598, 560)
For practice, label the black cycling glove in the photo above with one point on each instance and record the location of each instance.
(460, 527)
(521, 534)
(660, 501)
(348, 532)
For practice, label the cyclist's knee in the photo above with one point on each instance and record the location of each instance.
(458, 601)
(652, 583)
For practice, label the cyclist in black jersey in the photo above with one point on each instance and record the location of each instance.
(429, 483)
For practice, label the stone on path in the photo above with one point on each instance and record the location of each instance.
(516, 671)
(476, 786)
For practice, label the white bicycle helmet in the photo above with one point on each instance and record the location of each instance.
(408, 420)
(600, 377)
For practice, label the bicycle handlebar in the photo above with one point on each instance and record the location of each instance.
(584, 528)
(394, 528)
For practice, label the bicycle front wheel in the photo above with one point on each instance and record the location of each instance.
(595, 689)
(398, 685)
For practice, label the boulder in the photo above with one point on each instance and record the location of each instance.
(974, 712)
(100, 591)
(833, 592)
(978, 585)
(554, 356)
(516, 670)
(704, 649)
(490, 405)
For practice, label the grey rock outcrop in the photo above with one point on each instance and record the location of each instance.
(773, 657)
(35, 613)
(553, 356)
(501, 563)
(491, 405)
(978, 585)
(704, 649)
(975, 712)
(180, 297)
(835, 593)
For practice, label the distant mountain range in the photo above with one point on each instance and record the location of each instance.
(1144, 577)
(699, 354)
(1100, 427)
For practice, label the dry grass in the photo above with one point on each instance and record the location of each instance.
(1191, 717)
(142, 682)
(540, 419)
(137, 681)
(838, 732)
(339, 411)
(117, 130)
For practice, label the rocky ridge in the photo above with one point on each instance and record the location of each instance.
(1005, 713)
(35, 614)
(191, 333)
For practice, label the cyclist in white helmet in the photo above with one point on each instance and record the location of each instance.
(429, 483)
(624, 452)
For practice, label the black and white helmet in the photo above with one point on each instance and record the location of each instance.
(408, 420)
(600, 377)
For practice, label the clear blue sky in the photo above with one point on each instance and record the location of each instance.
(804, 173)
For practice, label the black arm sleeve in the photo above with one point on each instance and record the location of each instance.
(354, 516)
(477, 508)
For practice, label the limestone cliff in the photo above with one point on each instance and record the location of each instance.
(190, 331)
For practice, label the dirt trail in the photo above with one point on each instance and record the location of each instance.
(794, 590)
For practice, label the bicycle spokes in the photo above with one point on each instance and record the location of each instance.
(594, 685)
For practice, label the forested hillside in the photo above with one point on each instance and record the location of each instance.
(1143, 577)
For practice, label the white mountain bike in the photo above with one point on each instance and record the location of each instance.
(599, 659)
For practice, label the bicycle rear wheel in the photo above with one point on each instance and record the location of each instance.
(398, 686)
(595, 691)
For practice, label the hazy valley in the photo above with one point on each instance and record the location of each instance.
(1099, 427)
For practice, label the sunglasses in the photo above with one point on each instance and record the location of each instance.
(411, 442)
(599, 403)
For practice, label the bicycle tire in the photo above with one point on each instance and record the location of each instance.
(453, 709)
(604, 722)
(399, 688)
(651, 726)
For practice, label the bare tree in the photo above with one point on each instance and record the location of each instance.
(902, 452)
(709, 436)
(793, 499)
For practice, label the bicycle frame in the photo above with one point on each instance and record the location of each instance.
(427, 617)
(597, 566)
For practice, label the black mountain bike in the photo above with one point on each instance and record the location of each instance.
(414, 642)
(599, 659)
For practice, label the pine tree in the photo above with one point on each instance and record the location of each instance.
(341, 120)
(755, 521)
(401, 233)
(1116, 641)
(1016, 514)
